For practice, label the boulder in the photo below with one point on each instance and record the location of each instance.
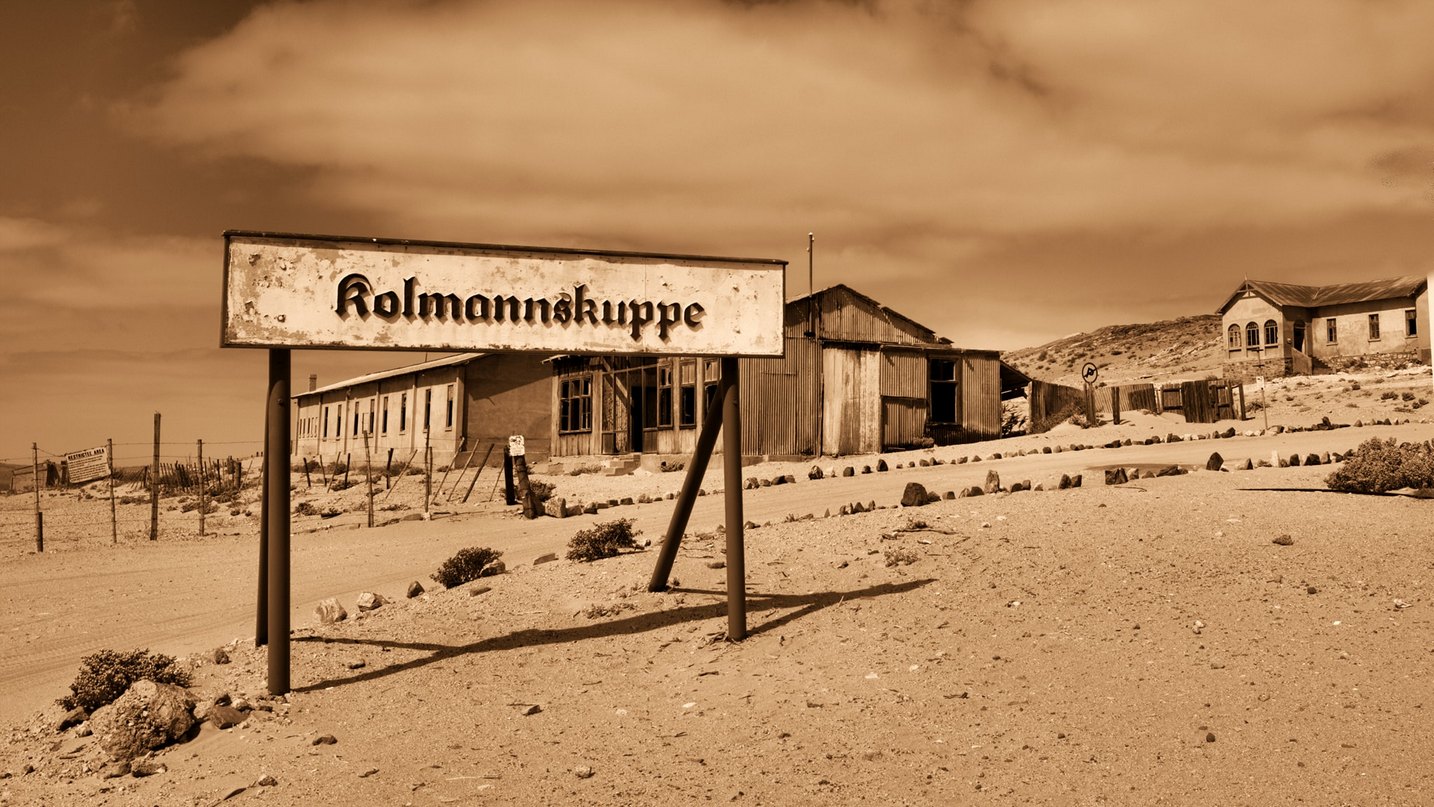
(1312, 459)
(1294, 461)
(815, 472)
(545, 558)
(556, 507)
(1075, 481)
(368, 601)
(329, 611)
(414, 589)
(1116, 476)
(880, 466)
(975, 490)
(1215, 463)
(914, 496)
(146, 717)
(224, 717)
(1064, 483)
(848, 471)
(993, 482)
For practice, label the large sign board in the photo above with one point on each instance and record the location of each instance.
(88, 465)
(305, 291)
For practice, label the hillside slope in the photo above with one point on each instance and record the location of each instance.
(1184, 348)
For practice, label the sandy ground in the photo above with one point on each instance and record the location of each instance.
(1039, 647)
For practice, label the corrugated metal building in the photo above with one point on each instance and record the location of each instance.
(461, 403)
(1279, 328)
(857, 378)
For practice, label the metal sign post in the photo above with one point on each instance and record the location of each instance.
(1089, 373)
(286, 291)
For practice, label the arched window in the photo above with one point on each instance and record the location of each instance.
(1272, 332)
(1234, 337)
(1252, 335)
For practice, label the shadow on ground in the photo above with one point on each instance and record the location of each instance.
(803, 605)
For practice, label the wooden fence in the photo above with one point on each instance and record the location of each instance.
(1205, 401)
(1052, 404)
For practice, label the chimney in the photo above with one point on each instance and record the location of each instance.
(313, 381)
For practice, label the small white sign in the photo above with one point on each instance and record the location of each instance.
(88, 465)
(320, 291)
(517, 446)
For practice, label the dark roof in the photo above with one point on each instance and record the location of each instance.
(1317, 296)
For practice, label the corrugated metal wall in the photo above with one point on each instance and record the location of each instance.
(848, 317)
(780, 401)
(904, 398)
(981, 395)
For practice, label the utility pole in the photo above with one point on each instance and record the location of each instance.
(114, 520)
(200, 449)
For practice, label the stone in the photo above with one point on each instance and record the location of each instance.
(1247, 465)
(1076, 480)
(1312, 459)
(116, 770)
(329, 611)
(1284, 539)
(1169, 470)
(716, 564)
(1064, 483)
(146, 717)
(848, 471)
(530, 709)
(1294, 461)
(1215, 463)
(266, 781)
(915, 495)
(324, 739)
(414, 589)
(493, 569)
(993, 482)
(479, 590)
(546, 558)
(866, 469)
(880, 466)
(368, 601)
(356, 664)
(1116, 476)
(220, 656)
(556, 507)
(815, 472)
(74, 717)
(146, 766)
(950, 494)
(583, 772)
(975, 490)
(224, 717)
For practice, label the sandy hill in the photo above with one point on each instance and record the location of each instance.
(1188, 347)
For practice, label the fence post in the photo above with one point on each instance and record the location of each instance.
(367, 478)
(154, 486)
(200, 449)
(39, 517)
(114, 521)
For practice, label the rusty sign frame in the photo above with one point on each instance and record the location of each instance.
(272, 626)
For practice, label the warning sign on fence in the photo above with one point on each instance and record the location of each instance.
(88, 465)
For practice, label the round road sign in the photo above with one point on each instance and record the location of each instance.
(1090, 372)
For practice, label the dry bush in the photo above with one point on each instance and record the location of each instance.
(1379, 466)
(469, 564)
(106, 675)
(604, 540)
(899, 557)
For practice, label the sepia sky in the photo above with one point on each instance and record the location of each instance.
(1005, 172)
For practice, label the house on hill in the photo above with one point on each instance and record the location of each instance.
(1287, 329)
(857, 377)
(453, 405)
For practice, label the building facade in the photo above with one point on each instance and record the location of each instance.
(1282, 328)
(857, 377)
(455, 405)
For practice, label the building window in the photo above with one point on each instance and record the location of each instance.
(575, 405)
(664, 395)
(403, 413)
(355, 409)
(1252, 335)
(427, 409)
(1233, 337)
(942, 373)
(687, 393)
(326, 423)
(1373, 327)
(1411, 322)
(448, 410)
(383, 418)
(1331, 330)
(1272, 332)
(711, 376)
(369, 405)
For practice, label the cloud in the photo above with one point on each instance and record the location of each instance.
(19, 234)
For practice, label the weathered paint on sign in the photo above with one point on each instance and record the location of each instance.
(317, 291)
(88, 465)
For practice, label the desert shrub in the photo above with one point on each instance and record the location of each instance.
(542, 490)
(1354, 386)
(1388, 395)
(305, 509)
(343, 484)
(1044, 354)
(899, 557)
(604, 540)
(469, 564)
(1378, 466)
(1406, 396)
(338, 468)
(104, 676)
(1051, 420)
(1079, 419)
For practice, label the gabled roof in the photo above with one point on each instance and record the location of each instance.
(874, 304)
(446, 361)
(1291, 294)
